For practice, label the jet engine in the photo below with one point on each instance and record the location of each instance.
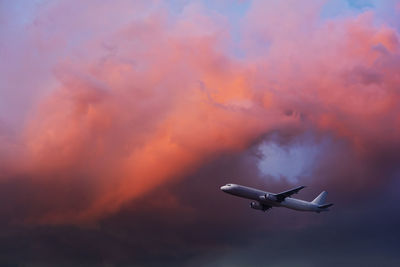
(256, 206)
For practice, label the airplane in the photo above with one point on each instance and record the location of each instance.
(266, 200)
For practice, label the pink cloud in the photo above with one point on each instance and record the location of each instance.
(139, 97)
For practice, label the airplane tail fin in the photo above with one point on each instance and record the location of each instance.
(320, 199)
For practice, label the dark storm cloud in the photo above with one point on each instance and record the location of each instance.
(193, 223)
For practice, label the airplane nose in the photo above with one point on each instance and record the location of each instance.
(223, 188)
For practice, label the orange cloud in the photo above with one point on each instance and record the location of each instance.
(153, 98)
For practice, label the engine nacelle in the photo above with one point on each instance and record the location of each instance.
(256, 206)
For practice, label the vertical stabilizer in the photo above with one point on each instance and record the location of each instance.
(321, 198)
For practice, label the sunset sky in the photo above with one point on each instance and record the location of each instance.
(120, 120)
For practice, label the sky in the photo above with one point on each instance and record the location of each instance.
(120, 120)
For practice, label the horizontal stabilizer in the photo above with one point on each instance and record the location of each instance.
(325, 206)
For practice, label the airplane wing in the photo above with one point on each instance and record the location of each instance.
(281, 196)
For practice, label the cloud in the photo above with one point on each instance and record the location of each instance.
(136, 97)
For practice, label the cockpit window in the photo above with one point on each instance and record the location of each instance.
(228, 184)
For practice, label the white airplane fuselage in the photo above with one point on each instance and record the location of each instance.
(266, 198)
